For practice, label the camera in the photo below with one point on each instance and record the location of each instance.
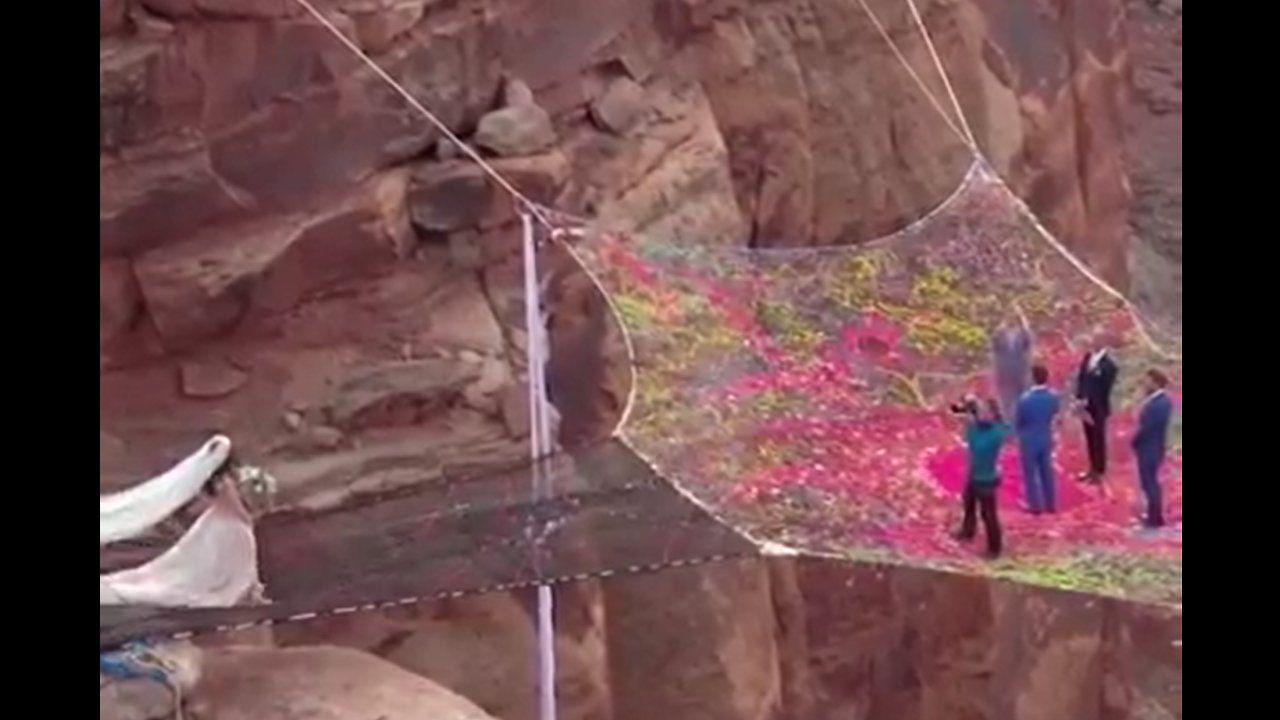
(966, 406)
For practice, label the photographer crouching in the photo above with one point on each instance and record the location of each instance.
(984, 435)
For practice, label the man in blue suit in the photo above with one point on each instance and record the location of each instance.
(1037, 410)
(1150, 443)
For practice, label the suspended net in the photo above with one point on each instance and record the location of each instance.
(603, 511)
(799, 395)
(802, 394)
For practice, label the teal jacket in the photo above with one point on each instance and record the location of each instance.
(984, 440)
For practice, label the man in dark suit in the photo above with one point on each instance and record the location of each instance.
(1094, 383)
(1150, 443)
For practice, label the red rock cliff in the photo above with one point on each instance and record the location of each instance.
(1154, 150)
(289, 254)
(793, 639)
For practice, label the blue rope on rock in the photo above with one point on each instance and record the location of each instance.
(134, 661)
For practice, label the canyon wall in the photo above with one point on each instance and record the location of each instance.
(792, 639)
(1154, 148)
(288, 253)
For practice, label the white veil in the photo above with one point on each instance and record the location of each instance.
(129, 513)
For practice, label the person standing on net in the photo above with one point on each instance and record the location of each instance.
(1150, 444)
(1011, 356)
(984, 435)
(1037, 411)
(1094, 383)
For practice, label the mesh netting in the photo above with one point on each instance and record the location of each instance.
(605, 512)
(802, 393)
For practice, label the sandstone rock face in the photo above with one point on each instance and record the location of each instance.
(111, 16)
(318, 683)
(895, 642)
(210, 380)
(832, 141)
(1071, 98)
(731, 672)
(515, 131)
(270, 208)
(793, 639)
(620, 107)
(1154, 151)
(119, 302)
(457, 195)
(483, 648)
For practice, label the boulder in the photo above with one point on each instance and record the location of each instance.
(483, 647)
(210, 379)
(621, 106)
(379, 24)
(142, 699)
(318, 683)
(449, 196)
(516, 131)
(516, 93)
(445, 197)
